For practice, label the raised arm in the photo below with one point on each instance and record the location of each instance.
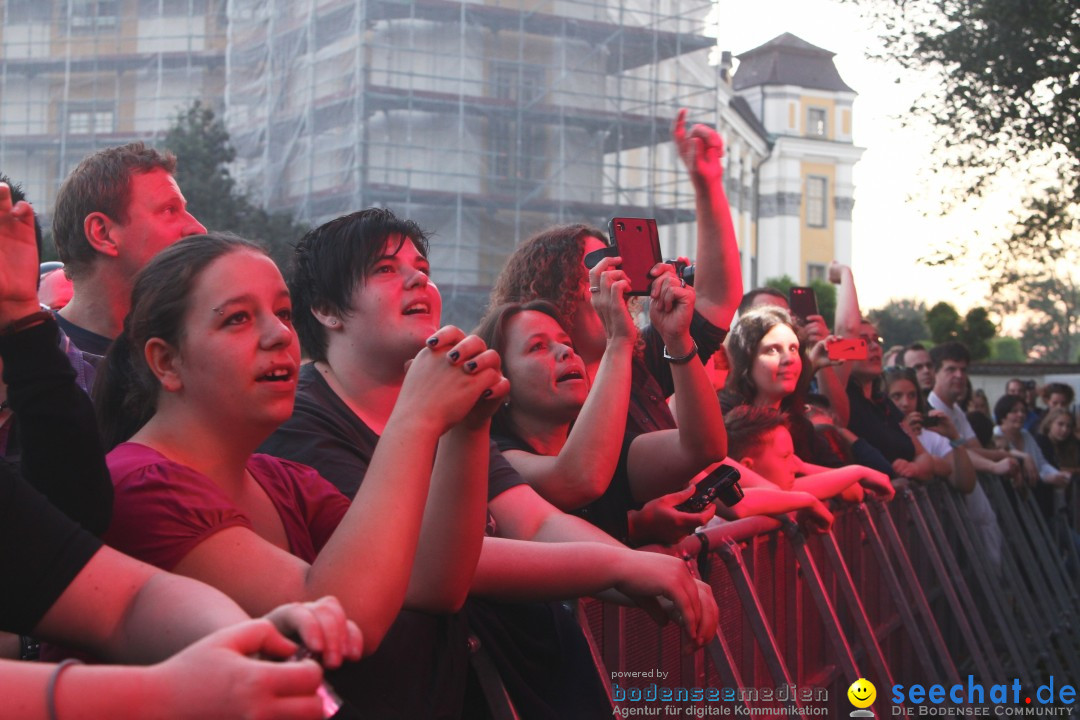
(718, 275)
(52, 411)
(367, 562)
(583, 467)
(662, 462)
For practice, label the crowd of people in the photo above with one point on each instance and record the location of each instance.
(193, 437)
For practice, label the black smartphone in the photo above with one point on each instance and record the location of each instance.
(721, 483)
(638, 244)
(803, 302)
(930, 421)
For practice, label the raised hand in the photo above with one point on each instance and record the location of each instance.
(672, 307)
(18, 259)
(700, 149)
(449, 377)
(608, 286)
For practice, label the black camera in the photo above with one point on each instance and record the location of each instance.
(721, 484)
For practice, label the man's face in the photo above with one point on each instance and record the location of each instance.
(157, 217)
(919, 361)
(950, 381)
(1014, 387)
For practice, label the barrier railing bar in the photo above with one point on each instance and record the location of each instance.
(1030, 595)
(1053, 563)
(722, 659)
(863, 626)
(896, 591)
(1044, 548)
(973, 551)
(731, 553)
(903, 560)
(959, 582)
(1021, 540)
(959, 614)
(814, 585)
(598, 660)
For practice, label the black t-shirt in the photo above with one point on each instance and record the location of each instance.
(607, 512)
(89, 342)
(41, 552)
(651, 383)
(877, 420)
(421, 667)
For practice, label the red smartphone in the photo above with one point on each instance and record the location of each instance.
(847, 349)
(803, 302)
(638, 244)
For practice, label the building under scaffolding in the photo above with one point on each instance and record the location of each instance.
(484, 121)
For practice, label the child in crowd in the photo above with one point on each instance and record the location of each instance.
(759, 439)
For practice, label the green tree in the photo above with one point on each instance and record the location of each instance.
(1007, 75)
(901, 322)
(976, 332)
(943, 322)
(201, 144)
(1006, 98)
(824, 291)
(1006, 350)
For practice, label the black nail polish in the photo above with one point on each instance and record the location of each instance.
(471, 365)
(432, 341)
(486, 394)
(454, 355)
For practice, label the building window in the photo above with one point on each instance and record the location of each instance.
(815, 122)
(94, 14)
(86, 122)
(816, 195)
(815, 272)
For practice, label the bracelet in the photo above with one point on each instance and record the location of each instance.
(956, 442)
(682, 359)
(29, 321)
(50, 688)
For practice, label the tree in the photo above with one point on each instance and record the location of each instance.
(824, 291)
(901, 322)
(976, 332)
(1007, 98)
(1006, 350)
(1008, 79)
(944, 323)
(201, 144)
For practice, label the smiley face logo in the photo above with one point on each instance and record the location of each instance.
(862, 693)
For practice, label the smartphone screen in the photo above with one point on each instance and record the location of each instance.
(638, 244)
(803, 302)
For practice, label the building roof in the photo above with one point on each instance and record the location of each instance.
(742, 109)
(789, 60)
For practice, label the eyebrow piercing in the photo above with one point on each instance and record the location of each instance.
(218, 310)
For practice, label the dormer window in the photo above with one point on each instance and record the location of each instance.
(815, 122)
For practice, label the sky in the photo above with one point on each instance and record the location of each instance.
(895, 220)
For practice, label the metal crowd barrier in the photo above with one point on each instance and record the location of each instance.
(899, 593)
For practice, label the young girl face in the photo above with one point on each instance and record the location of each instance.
(238, 358)
(546, 376)
(777, 365)
(905, 395)
(1060, 429)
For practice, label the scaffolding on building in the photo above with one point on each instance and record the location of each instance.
(482, 121)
